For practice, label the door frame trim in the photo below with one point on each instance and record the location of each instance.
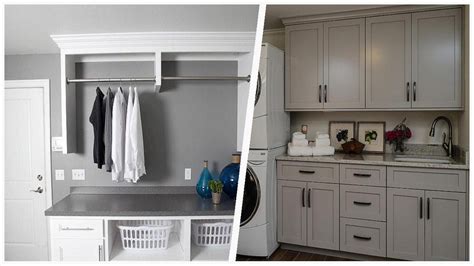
(45, 85)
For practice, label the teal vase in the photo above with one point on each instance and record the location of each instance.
(202, 186)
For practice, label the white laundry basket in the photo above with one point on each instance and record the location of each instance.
(145, 234)
(210, 233)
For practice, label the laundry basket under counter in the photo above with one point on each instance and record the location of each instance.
(211, 233)
(145, 234)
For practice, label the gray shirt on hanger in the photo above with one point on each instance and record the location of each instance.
(109, 102)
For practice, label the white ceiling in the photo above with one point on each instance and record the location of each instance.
(28, 27)
(275, 13)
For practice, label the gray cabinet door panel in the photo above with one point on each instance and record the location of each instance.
(445, 236)
(304, 66)
(405, 224)
(292, 212)
(436, 51)
(388, 61)
(323, 215)
(344, 63)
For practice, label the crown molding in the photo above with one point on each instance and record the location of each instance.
(139, 42)
(380, 11)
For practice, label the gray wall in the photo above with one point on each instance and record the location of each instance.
(186, 123)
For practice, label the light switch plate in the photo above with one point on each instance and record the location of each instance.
(57, 144)
(187, 173)
(78, 174)
(59, 174)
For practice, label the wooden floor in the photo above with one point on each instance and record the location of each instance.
(291, 255)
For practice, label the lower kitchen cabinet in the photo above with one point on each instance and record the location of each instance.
(300, 205)
(426, 225)
(77, 250)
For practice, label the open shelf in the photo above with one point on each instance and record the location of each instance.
(174, 252)
(209, 253)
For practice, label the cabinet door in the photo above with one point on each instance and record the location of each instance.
(388, 56)
(445, 223)
(436, 51)
(323, 215)
(304, 66)
(292, 212)
(405, 224)
(344, 64)
(77, 250)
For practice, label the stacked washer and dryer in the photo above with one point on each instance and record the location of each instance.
(270, 134)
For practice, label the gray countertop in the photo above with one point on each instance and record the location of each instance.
(372, 159)
(147, 204)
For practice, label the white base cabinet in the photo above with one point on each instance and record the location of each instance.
(77, 250)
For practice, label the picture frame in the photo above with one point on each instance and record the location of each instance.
(372, 134)
(335, 127)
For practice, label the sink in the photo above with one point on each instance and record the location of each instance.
(423, 159)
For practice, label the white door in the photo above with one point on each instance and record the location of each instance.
(25, 170)
(77, 250)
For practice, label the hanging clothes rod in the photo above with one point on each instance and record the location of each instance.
(152, 79)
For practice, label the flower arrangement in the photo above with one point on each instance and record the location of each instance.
(399, 134)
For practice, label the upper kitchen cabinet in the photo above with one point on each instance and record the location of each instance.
(436, 59)
(344, 64)
(304, 66)
(388, 61)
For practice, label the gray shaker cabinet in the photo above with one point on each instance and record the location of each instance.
(388, 61)
(445, 226)
(436, 59)
(304, 66)
(323, 230)
(405, 224)
(292, 212)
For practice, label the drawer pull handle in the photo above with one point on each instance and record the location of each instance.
(362, 175)
(307, 172)
(76, 229)
(362, 203)
(362, 237)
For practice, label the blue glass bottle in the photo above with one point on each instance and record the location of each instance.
(230, 176)
(202, 186)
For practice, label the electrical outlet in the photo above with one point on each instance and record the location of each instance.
(59, 174)
(78, 174)
(187, 173)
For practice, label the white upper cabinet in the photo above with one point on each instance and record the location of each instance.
(344, 64)
(436, 62)
(304, 66)
(388, 61)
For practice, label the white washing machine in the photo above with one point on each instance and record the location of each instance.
(271, 124)
(258, 229)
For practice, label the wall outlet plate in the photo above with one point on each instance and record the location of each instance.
(78, 174)
(187, 173)
(57, 143)
(59, 174)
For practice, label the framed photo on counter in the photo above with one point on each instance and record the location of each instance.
(337, 130)
(372, 134)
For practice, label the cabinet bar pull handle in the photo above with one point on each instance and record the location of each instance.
(325, 93)
(414, 91)
(319, 93)
(362, 237)
(302, 197)
(76, 229)
(362, 175)
(362, 203)
(309, 198)
(306, 172)
(421, 207)
(428, 209)
(408, 91)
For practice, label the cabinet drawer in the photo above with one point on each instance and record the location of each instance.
(76, 228)
(363, 202)
(311, 172)
(364, 237)
(424, 178)
(369, 175)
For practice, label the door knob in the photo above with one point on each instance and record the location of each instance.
(38, 190)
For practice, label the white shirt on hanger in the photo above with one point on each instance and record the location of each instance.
(128, 166)
(119, 111)
(136, 136)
